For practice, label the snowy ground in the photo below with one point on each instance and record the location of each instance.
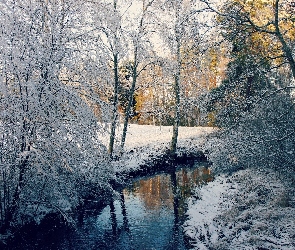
(250, 210)
(146, 141)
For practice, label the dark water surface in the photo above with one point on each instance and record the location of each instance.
(147, 214)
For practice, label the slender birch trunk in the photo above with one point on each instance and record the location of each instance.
(116, 93)
(176, 88)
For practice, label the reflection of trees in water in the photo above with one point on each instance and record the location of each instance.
(165, 190)
(157, 192)
(187, 180)
(113, 217)
(118, 232)
(176, 232)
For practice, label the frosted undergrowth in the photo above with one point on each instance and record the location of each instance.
(249, 210)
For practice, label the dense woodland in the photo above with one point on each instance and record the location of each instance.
(71, 70)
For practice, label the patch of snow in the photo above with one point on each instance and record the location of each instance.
(142, 135)
(204, 207)
(248, 210)
(146, 141)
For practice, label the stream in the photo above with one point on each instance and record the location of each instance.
(147, 214)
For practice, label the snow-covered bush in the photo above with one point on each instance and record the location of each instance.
(248, 210)
(264, 136)
(50, 157)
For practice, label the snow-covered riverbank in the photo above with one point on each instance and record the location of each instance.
(252, 209)
(144, 142)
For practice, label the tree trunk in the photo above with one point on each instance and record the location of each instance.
(22, 168)
(176, 114)
(176, 90)
(24, 148)
(115, 106)
(131, 94)
(134, 78)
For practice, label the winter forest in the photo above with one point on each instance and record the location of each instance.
(79, 77)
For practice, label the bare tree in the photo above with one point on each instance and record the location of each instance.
(141, 59)
(176, 34)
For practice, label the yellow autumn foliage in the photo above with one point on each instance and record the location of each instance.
(259, 20)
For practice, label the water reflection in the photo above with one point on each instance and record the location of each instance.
(113, 217)
(155, 192)
(160, 190)
(176, 230)
(148, 214)
(152, 210)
